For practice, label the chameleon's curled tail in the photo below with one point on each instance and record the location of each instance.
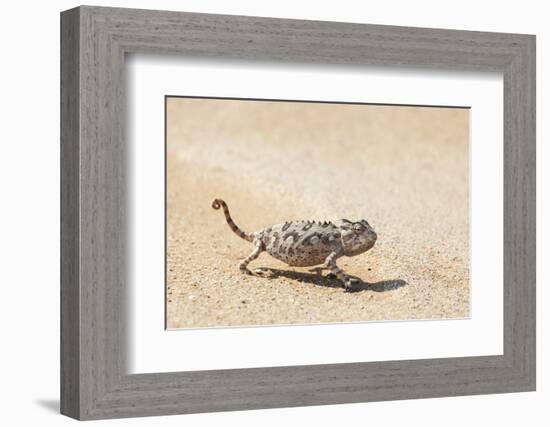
(219, 203)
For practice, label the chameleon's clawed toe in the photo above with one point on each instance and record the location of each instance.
(349, 288)
(349, 285)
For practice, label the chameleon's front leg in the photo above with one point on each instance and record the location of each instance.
(258, 248)
(330, 262)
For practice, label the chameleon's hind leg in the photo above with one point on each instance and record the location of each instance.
(330, 262)
(258, 249)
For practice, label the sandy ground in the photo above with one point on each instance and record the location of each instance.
(404, 169)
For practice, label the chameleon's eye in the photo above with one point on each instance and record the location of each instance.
(357, 227)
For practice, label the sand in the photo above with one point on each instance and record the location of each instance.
(404, 169)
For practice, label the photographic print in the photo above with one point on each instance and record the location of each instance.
(282, 212)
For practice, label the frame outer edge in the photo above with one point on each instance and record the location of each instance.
(70, 396)
(520, 215)
(532, 226)
(527, 165)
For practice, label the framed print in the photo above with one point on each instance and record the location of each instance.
(261, 213)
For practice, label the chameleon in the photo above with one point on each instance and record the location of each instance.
(307, 243)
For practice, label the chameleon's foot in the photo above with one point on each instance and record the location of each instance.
(261, 271)
(349, 285)
(245, 270)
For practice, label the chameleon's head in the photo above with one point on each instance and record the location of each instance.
(357, 237)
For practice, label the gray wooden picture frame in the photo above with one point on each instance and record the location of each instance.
(94, 381)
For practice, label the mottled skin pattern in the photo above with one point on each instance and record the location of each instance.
(307, 243)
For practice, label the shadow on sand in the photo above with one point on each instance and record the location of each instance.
(318, 279)
(51, 405)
